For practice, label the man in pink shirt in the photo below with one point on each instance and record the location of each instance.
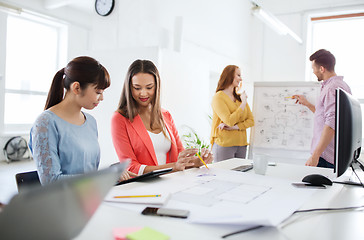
(322, 146)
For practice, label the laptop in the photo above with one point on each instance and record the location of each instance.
(59, 210)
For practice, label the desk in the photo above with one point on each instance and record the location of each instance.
(320, 226)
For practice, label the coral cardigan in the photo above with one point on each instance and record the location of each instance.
(131, 141)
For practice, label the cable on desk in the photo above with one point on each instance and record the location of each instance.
(328, 209)
(242, 231)
(290, 221)
(298, 211)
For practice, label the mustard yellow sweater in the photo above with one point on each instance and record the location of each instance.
(229, 112)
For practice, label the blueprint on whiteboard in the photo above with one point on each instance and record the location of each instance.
(279, 121)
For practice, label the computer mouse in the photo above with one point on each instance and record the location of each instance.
(317, 180)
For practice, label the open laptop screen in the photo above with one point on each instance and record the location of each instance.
(58, 210)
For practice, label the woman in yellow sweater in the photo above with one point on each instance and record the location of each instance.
(231, 117)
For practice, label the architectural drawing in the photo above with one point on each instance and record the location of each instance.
(208, 193)
(279, 121)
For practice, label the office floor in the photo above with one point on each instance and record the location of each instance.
(7, 177)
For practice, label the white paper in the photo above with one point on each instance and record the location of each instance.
(220, 196)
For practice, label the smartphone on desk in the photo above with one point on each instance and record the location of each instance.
(166, 212)
(243, 168)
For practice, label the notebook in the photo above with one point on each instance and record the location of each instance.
(59, 210)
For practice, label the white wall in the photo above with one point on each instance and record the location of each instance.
(2, 82)
(190, 42)
(280, 57)
(78, 33)
(66, 14)
(187, 44)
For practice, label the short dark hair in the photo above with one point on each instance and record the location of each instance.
(324, 58)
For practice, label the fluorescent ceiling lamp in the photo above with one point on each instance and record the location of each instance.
(7, 7)
(274, 23)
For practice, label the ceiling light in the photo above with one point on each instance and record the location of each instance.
(274, 23)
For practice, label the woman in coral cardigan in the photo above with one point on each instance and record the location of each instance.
(231, 117)
(144, 132)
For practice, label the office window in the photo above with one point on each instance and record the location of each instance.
(34, 52)
(343, 36)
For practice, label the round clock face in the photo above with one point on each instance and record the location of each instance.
(104, 7)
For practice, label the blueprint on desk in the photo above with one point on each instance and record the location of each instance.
(220, 196)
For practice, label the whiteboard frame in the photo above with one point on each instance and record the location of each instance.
(278, 154)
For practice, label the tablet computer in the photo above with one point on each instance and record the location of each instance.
(146, 176)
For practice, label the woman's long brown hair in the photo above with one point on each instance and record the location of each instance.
(226, 79)
(128, 107)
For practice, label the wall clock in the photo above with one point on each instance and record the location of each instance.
(104, 7)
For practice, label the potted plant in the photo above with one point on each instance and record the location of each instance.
(192, 140)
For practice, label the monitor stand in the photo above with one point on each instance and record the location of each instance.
(360, 183)
(349, 183)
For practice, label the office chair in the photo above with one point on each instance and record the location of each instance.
(27, 179)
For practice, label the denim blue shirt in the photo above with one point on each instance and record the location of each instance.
(61, 149)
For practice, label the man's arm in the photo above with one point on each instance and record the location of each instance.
(326, 136)
(301, 99)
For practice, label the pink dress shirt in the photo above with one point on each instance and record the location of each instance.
(325, 113)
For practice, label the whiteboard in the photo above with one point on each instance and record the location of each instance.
(282, 127)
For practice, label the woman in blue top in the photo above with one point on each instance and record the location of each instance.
(63, 139)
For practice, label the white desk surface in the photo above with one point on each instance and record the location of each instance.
(334, 225)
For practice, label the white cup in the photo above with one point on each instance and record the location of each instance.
(260, 163)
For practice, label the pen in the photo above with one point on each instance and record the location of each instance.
(201, 160)
(290, 97)
(137, 196)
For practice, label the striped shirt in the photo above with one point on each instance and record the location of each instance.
(325, 114)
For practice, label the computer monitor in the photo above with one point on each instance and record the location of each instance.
(348, 131)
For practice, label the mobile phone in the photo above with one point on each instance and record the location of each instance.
(308, 185)
(166, 212)
(243, 168)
